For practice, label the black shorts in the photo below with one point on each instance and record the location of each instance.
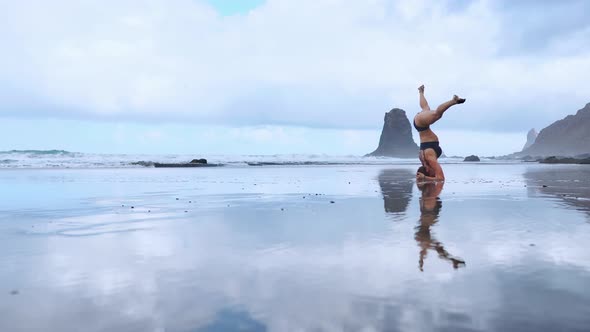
(432, 145)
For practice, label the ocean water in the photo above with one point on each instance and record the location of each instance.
(498, 247)
(65, 159)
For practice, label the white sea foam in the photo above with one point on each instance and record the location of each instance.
(66, 159)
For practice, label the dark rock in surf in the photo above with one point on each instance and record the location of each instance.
(565, 160)
(191, 164)
(143, 163)
(471, 158)
(396, 137)
(199, 161)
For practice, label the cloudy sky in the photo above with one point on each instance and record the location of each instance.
(284, 76)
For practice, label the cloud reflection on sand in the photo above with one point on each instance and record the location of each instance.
(313, 266)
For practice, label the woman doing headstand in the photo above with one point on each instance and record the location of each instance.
(430, 149)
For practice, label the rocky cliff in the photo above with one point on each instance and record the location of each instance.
(569, 136)
(530, 138)
(396, 138)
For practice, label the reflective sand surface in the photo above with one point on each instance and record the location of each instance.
(264, 249)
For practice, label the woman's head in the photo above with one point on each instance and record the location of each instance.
(425, 170)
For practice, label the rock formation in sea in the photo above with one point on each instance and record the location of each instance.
(396, 137)
(569, 136)
(396, 187)
(531, 136)
(471, 158)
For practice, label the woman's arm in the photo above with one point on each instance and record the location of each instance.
(424, 178)
(431, 162)
(438, 172)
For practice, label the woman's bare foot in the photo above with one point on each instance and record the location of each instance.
(421, 88)
(458, 100)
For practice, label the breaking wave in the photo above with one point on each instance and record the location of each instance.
(66, 159)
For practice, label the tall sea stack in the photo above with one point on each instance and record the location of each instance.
(396, 138)
(530, 138)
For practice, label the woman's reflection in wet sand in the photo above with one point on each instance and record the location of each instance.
(430, 205)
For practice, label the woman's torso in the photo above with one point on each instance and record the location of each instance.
(425, 119)
(428, 136)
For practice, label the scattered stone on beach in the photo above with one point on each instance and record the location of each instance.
(332, 202)
(190, 201)
(133, 207)
(544, 186)
(531, 244)
(149, 211)
(471, 158)
(176, 198)
(282, 209)
(14, 292)
(185, 211)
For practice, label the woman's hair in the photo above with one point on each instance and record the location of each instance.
(422, 170)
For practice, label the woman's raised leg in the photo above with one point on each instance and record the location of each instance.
(446, 105)
(423, 103)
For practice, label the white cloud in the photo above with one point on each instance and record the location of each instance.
(296, 64)
(318, 63)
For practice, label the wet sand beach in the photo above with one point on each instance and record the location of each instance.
(498, 247)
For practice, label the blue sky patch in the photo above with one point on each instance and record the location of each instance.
(233, 7)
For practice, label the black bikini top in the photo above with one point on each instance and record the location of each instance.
(420, 128)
